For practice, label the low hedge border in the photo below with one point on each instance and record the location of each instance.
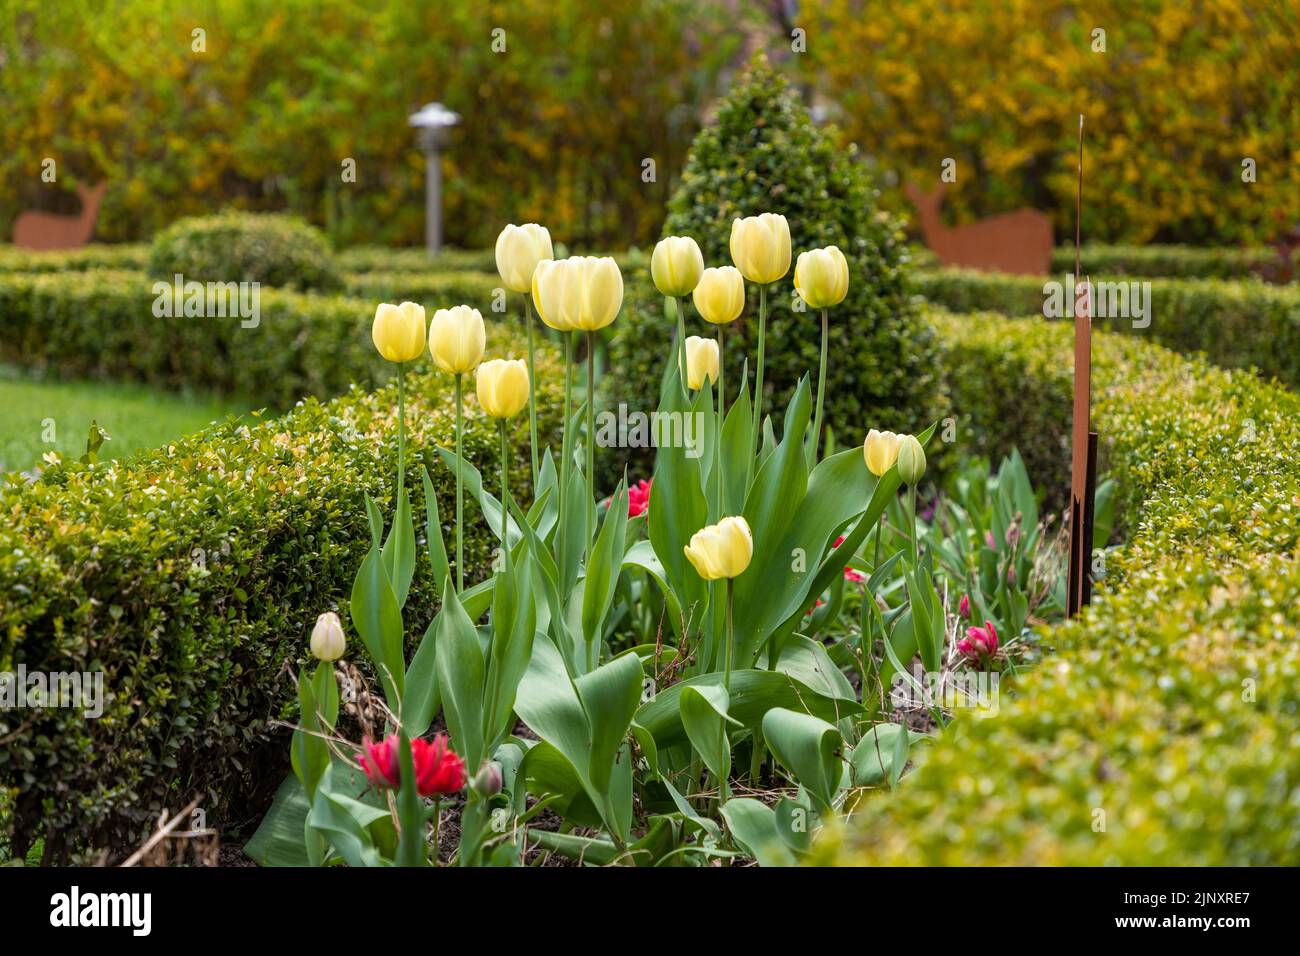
(95, 256)
(191, 577)
(101, 325)
(1172, 704)
(1169, 261)
(1237, 323)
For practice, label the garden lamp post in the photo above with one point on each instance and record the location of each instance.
(433, 125)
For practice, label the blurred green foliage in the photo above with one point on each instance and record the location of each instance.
(555, 126)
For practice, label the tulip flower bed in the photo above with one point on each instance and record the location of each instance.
(670, 673)
(1164, 729)
(1237, 323)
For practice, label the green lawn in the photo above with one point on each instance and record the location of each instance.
(41, 416)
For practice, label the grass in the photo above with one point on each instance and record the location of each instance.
(44, 416)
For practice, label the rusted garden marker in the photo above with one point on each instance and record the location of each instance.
(1083, 441)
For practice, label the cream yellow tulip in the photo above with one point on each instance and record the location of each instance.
(701, 361)
(821, 277)
(675, 265)
(327, 640)
(880, 451)
(760, 247)
(503, 387)
(721, 550)
(398, 331)
(578, 294)
(519, 249)
(720, 295)
(552, 281)
(457, 339)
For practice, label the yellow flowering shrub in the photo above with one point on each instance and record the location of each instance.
(1181, 95)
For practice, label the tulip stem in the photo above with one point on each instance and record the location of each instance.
(758, 384)
(722, 398)
(460, 493)
(401, 433)
(821, 389)
(911, 520)
(532, 385)
(505, 496)
(723, 791)
(566, 446)
(591, 431)
(437, 830)
(682, 366)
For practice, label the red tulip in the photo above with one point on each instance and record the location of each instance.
(438, 768)
(980, 643)
(638, 498)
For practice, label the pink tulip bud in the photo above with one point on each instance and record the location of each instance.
(991, 541)
(488, 780)
(980, 643)
(963, 607)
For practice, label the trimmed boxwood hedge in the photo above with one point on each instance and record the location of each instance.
(191, 577)
(1237, 323)
(94, 256)
(1172, 705)
(1186, 262)
(101, 325)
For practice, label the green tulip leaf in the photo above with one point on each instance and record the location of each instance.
(809, 748)
(753, 827)
(461, 679)
(399, 550)
(378, 619)
(705, 719)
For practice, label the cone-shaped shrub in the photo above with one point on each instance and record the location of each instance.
(764, 154)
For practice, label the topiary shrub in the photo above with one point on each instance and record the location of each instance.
(763, 154)
(233, 246)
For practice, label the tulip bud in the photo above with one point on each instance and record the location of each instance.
(676, 265)
(911, 460)
(502, 387)
(488, 780)
(963, 607)
(720, 295)
(701, 361)
(821, 277)
(760, 247)
(519, 249)
(398, 331)
(327, 640)
(881, 451)
(721, 550)
(457, 339)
